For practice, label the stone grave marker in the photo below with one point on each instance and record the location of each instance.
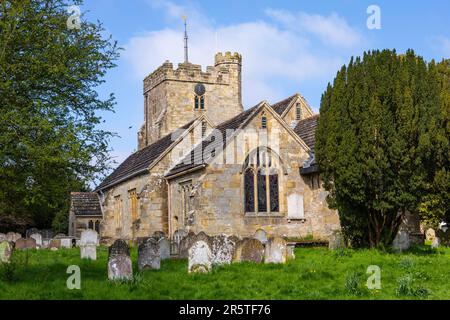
(261, 235)
(23, 244)
(2, 236)
(148, 255)
(185, 244)
(119, 261)
(176, 240)
(164, 248)
(13, 237)
(249, 250)
(54, 244)
(276, 251)
(38, 238)
(88, 244)
(336, 240)
(6, 250)
(222, 250)
(401, 241)
(200, 258)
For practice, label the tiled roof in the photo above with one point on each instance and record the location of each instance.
(85, 204)
(139, 161)
(195, 158)
(281, 106)
(306, 130)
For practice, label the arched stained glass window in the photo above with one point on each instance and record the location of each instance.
(261, 185)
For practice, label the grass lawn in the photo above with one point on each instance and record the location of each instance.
(316, 273)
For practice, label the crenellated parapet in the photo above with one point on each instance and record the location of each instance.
(189, 72)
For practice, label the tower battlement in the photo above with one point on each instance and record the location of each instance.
(228, 57)
(189, 72)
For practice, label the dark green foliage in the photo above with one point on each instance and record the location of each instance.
(376, 143)
(49, 141)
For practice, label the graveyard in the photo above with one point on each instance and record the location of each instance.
(141, 272)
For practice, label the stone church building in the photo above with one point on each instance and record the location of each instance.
(205, 164)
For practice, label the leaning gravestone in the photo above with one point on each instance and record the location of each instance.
(148, 255)
(185, 244)
(249, 250)
(261, 235)
(119, 261)
(222, 250)
(38, 238)
(13, 237)
(164, 248)
(6, 250)
(336, 240)
(88, 244)
(276, 251)
(22, 244)
(200, 258)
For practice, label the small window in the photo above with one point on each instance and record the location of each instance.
(203, 129)
(197, 102)
(91, 225)
(298, 112)
(202, 103)
(132, 195)
(264, 122)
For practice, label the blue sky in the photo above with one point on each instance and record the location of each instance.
(287, 46)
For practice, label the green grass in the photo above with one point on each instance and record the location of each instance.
(316, 273)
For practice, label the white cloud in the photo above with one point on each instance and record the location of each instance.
(332, 30)
(274, 52)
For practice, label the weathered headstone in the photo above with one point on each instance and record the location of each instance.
(249, 250)
(88, 244)
(222, 250)
(119, 261)
(2, 236)
(119, 247)
(148, 255)
(164, 248)
(66, 242)
(158, 235)
(185, 244)
(430, 234)
(6, 250)
(336, 240)
(261, 235)
(200, 258)
(401, 241)
(202, 236)
(120, 267)
(54, 244)
(13, 237)
(38, 238)
(275, 251)
(31, 231)
(22, 243)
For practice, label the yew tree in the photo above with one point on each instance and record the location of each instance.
(382, 143)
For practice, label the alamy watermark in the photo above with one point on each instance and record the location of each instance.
(374, 20)
(74, 280)
(74, 20)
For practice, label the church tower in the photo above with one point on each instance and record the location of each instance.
(172, 98)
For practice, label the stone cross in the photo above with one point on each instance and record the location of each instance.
(200, 258)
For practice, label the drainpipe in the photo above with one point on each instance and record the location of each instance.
(169, 210)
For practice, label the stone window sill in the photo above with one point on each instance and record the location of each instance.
(264, 215)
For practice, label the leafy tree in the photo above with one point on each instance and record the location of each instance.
(49, 141)
(376, 142)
